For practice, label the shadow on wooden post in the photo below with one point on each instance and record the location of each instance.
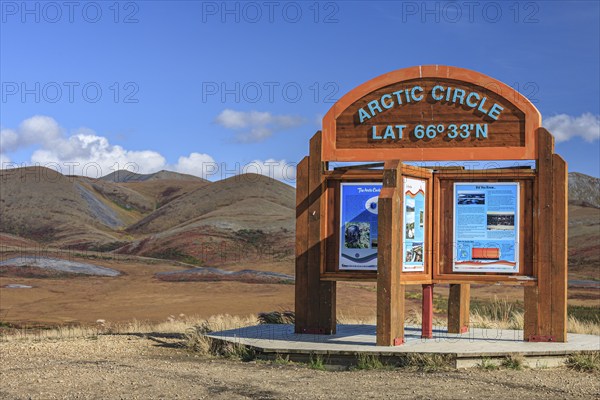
(390, 294)
(546, 303)
(315, 299)
(459, 299)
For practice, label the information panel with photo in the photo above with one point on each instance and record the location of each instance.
(486, 227)
(414, 225)
(358, 226)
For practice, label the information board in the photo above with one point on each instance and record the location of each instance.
(486, 227)
(358, 226)
(414, 225)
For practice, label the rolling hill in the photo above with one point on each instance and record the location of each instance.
(168, 215)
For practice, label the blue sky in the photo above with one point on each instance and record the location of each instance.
(191, 82)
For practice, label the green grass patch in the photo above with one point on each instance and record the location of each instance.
(368, 361)
(516, 362)
(106, 247)
(487, 364)
(586, 362)
(316, 362)
(173, 253)
(277, 317)
(281, 360)
(427, 362)
(255, 237)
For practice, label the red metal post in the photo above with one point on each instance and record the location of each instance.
(427, 319)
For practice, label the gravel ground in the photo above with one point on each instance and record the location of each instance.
(133, 367)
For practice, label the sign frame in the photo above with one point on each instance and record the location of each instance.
(444, 236)
(343, 228)
(423, 220)
(516, 225)
(543, 210)
(532, 120)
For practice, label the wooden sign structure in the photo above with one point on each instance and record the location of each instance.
(405, 225)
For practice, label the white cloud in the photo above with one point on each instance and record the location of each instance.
(9, 140)
(565, 127)
(255, 126)
(82, 153)
(86, 153)
(197, 164)
(39, 129)
(95, 156)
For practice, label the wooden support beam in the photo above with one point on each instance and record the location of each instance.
(459, 299)
(321, 295)
(427, 312)
(546, 304)
(390, 293)
(559, 266)
(301, 286)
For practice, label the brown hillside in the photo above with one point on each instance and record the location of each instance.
(123, 196)
(41, 204)
(124, 175)
(218, 195)
(162, 191)
(584, 242)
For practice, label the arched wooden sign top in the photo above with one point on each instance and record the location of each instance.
(431, 113)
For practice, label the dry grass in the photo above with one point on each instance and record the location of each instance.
(502, 314)
(497, 314)
(586, 362)
(172, 325)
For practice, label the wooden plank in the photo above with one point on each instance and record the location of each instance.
(437, 217)
(332, 231)
(321, 314)
(390, 294)
(508, 131)
(484, 280)
(559, 265)
(427, 312)
(332, 239)
(458, 308)
(516, 129)
(301, 286)
(444, 241)
(496, 173)
(345, 278)
(424, 174)
(527, 228)
(530, 305)
(384, 259)
(543, 231)
(355, 175)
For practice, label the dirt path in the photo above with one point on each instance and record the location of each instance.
(132, 367)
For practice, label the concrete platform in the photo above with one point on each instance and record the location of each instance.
(465, 350)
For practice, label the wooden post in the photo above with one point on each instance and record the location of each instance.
(458, 308)
(559, 267)
(390, 294)
(316, 299)
(546, 303)
(301, 287)
(427, 313)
